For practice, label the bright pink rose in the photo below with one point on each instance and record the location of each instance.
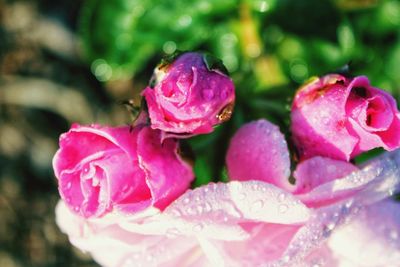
(100, 169)
(190, 96)
(341, 117)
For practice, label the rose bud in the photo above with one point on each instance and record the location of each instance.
(340, 117)
(100, 169)
(189, 94)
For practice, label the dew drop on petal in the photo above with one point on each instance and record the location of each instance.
(208, 94)
(69, 185)
(257, 205)
(281, 197)
(283, 208)
(207, 206)
(393, 235)
(331, 225)
(197, 227)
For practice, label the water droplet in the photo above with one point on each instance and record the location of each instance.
(331, 226)
(281, 197)
(76, 208)
(69, 185)
(176, 213)
(186, 200)
(393, 234)
(95, 182)
(68, 200)
(224, 94)
(349, 204)
(85, 170)
(242, 196)
(199, 209)
(286, 258)
(207, 206)
(191, 211)
(172, 232)
(254, 187)
(197, 227)
(208, 94)
(126, 188)
(257, 205)
(283, 208)
(331, 168)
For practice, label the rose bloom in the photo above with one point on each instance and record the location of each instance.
(102, 169)
(188, 96)
(341, 117)
(262, 222)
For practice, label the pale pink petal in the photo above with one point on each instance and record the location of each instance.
(217, 211)
(371, 239)
(258, 151)
(375, 180)
(316, 171)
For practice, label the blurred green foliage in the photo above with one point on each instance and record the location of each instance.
(269, 47)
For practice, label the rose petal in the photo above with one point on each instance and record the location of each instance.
(371, 239)
(167, 175)
(258, 151)
(375, 180)
(316, 171)
(318, 119)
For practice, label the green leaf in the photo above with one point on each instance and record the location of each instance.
(214, 64)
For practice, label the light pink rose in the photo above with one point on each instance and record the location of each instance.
(339, 117)
(189, 97)
(242, 223)
(104, 169)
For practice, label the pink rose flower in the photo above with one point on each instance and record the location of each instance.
(246, 222)
(190, 96)
(339, 117)
(101, 169)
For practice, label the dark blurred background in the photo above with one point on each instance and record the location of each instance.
(74, 61)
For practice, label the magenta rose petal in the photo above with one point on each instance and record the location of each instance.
(167, 175)
(258, 151)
